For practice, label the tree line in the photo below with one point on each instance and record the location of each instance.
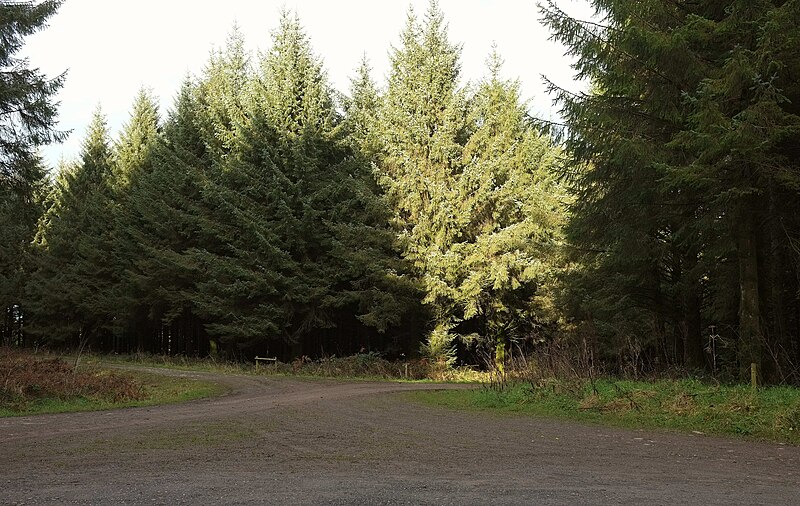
(657, 227)
(268, 214)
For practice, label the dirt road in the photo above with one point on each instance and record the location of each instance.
(285, 441)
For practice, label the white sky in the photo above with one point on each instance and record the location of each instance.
(112, 48)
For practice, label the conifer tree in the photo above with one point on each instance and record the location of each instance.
(361, 109)
(27, 114)
(163, 216)
(138, 136)
(474, 198)
(70, 290)
(502, 261)
(298, 248)
(422, 131)
(21, 205)
(684, 134)
(220, 96)
(133, 162)
(236, 255)
(27, 117)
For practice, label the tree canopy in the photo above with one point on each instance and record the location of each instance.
(266, 212)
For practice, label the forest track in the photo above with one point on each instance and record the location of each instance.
(294, 441)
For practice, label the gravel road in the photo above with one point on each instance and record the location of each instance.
(290, 441)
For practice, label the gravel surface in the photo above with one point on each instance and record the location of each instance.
(291, 441)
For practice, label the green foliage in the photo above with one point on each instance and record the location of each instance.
(157, 224)
(28, 114)
(27, 118)
(139, 135)
(270, 215)
(682, 177)
(475, 205)
(292, 232)
(70, 290)
(361, 109)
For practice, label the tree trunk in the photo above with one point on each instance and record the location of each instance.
(693, 346)
(778, 325)
(749, 310)
(297, 348)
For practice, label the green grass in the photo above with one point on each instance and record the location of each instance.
(771, 413)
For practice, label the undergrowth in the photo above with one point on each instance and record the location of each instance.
(27, 379)
(690, 405)
(41, 383)
(368, 365)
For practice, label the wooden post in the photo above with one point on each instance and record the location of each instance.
(753, 375)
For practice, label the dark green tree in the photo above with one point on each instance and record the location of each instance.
(69, 294)
(302, 259)
(163, 216)
(684, 146)
(27, 118)
(20, 208)
(133, 162)
(27, 113)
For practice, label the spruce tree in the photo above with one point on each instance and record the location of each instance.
(220, 96)
(471, 185)
(27, 113)
(138, 136)
(299, 258)
(235, 256)
(20, 208)
(27, 118)
(685, 137)
(69, 294)
(163, 215)
(133, 162)
(361, 110)
(423, 126)
(501, 264)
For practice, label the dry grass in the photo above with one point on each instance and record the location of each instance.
(26, 379)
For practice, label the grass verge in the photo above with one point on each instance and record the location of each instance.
(771, 413)
(33, 384)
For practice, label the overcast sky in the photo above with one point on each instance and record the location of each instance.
(113, 48)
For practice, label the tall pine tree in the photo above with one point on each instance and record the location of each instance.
(27, 118)
(423, 127)
(133, 163)
(69, 294)
(475, 205)
(163, 216)
(685, 137)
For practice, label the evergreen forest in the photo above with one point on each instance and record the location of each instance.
(656, 227)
